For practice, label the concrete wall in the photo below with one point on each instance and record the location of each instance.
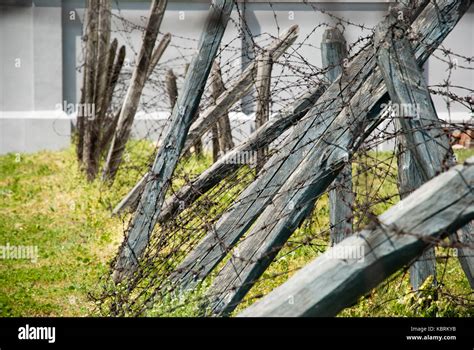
(31, 78)
(47, 38)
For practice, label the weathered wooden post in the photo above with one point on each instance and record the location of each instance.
(149, 207)
(132, 99)
(109, 127)
(262, 114)
(159, 51)
(463, 241)
(103, 68)
(222, 140)
(90, 85)
(93, 135)
(330, 283)
(171, 88)
(109, 84)
(341, 198)
(226, 142)
(424, 149)
(237, 89)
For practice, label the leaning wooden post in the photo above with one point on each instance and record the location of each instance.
(262, 114)
(216, 91)
(171, 88)
(226, 141)
(159, 51)
(103, 63)
(132, 99)
(221, 132)
(90, 84)
(424, 149)
(197, 145)
(330, 283)
(149, 207)
(341, 198)
(109, 127)
(409, 179)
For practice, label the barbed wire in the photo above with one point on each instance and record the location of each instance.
(150, 288)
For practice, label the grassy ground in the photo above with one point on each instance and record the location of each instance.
(45, 202)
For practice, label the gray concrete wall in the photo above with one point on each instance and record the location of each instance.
(31, 78)
(47, 39)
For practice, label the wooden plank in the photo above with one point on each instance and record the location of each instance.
(237, 89)
(132, 98)
(262, 86)
(149, 207)
(363, 87)
(325, 158)
(341, 198)
(335, 280)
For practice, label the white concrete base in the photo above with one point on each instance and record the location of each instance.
(28, 132)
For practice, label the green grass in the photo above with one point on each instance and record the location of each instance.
(46, 202)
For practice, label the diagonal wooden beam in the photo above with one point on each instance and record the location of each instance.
(149, 207)
(336, 279)
(134, 92)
